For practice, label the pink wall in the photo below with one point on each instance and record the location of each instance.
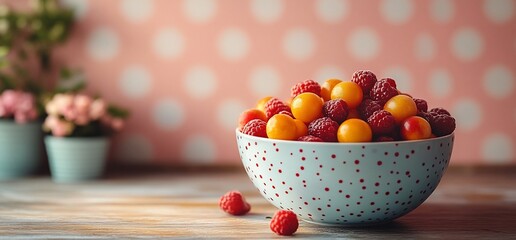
(187, 69)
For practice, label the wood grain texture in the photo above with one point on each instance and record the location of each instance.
(467, 205)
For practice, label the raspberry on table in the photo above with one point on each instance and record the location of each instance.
(306, 86)
(442, 124)
(422, 105)
(274, 106)
(284, 222)
(381, 122)
(365, 79)
(310, 138)
(234, 203)
(324, 128)
(367, 108)
(336, 109)
(256, 127)
(440, 111)
(382, 91)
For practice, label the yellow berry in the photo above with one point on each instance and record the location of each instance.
(307, 107)
(327, 86)
(350, 92)
(260, 105)
(354, 130)
(281, 126)
(401, 107)
(301, 128)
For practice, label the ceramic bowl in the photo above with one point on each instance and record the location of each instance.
(345, 183)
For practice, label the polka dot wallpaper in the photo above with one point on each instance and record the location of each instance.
(187, 68)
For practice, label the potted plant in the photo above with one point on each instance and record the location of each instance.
(20, 134)
(79, 128)
(27, 39)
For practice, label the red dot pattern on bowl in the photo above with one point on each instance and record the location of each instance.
(345, 184)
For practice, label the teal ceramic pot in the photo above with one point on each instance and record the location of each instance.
(76, 159)
(20, 149)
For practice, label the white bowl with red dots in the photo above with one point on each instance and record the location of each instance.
(345, 184)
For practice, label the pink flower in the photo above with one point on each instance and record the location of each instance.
(63, 102)
(117, 124)
(50, 122)
(98, 109)
(82, 103)
(3, 111)
(25, 102)
(82, 119)
(9, 100)
(62, 128)
(69, 113)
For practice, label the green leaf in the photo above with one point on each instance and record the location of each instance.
(118, 112)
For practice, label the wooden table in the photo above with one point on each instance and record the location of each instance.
(469, 204)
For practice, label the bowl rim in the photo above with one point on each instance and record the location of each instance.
(436, 139)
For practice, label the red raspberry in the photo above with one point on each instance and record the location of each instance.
(391, 82)
(256, 127)
(421, 104)
(442, 124)
(284, 222)
(383, 91)
(440, 111)
(288, 113)
(365, 79)
(274, 106)
(367, 108)
(381, 122)
(310, 138)
(336, 109)
(384, 139)
(324, 128)
(234, 203)
(306, 86)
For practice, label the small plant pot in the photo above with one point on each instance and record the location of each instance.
(76, 159)
(20, 149)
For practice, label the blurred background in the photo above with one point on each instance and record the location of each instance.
(187, 69)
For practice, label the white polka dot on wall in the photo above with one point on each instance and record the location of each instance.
(267, 11)
(134, 148)
(137, 11)
(499, 81)
(80, 7)
(200, 82)
(467, 44)
(363, 43)
(440, 83)
(199, 11)
(299, 44)
(331, 11)
(498, 148)
(402, 76)
(467, 113)
(102, 44)
(168, 114)
(199, 148)
(442, 10)
(228, 112)
(168, 43)
(233, 44)
(499, 11)
(327, 72)
(397, 11)
(424, 47)
(135, 81)
(265, 81)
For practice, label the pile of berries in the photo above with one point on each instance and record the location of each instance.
(364, 109)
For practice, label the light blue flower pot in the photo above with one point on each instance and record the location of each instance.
(76, 159)
(20, 149)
